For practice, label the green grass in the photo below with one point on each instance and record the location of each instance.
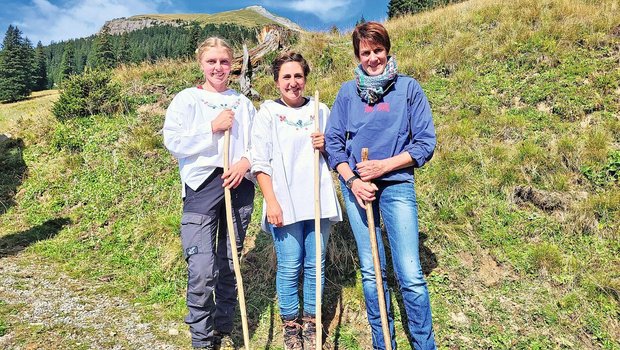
(523, 94)
(12, 113)
(4, 312)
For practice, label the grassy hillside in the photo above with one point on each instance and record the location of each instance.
(519, 208)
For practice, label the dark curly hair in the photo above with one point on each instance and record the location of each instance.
(289, 56)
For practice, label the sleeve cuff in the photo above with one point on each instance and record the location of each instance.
(334, 160)
(418, 158)
(248, 155)
(261, 168)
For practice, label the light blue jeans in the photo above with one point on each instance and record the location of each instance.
(295, 248)
(396, 201)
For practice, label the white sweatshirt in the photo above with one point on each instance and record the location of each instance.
(282, 149)
(188, 135)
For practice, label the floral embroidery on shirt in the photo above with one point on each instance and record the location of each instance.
(232, 106)
(298, 124)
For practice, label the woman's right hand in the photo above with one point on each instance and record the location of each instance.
(223, 121)
(274, 213)
(363, 191)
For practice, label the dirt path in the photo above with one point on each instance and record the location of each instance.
(41, 308)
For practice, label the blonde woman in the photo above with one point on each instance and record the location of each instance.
(194, 133)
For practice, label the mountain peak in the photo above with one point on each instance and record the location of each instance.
(281, 20)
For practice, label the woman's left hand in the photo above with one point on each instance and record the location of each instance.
(234, 175)
(371, 169)
(318, 141)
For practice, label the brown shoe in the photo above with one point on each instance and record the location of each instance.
(309, 332)
(223, 341)
(292, 335)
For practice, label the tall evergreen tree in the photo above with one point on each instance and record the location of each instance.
(194, 38)
(16, 62)
(104, 55)
(360, 21)
(67, 64)
(40, 69)
(122, 50)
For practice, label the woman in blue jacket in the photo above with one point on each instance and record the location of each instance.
(389, 114)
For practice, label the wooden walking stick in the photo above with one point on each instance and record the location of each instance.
(233, 245)
(377, 263)
(317, 229)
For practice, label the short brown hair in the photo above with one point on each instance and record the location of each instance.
(289, 56)
(213, 42)
(373, 32)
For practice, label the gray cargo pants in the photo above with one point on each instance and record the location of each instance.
(211, 284)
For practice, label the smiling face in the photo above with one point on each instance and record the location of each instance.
(291, 83)
(373, 57)
(215, 63)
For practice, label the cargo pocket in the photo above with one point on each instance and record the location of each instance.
(191, 232)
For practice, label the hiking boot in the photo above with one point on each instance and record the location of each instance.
(292, 335)
(224, 341)
(309, 332)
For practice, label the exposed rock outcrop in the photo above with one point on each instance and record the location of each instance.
(125, 25)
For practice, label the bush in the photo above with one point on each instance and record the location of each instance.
(89, 93)
(69, 137)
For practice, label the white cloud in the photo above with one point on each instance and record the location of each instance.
(45, 21)
(323, 9)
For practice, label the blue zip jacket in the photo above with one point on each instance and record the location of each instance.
(399, 122)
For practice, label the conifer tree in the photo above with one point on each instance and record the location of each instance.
(16, 63)
(40, 69)
(103, 55)
(360, 21)
(194, 38)
(122, 50)
(67, 64)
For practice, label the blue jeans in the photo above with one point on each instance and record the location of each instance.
(396, 201)
(295, 248)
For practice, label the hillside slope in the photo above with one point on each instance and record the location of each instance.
(519, 208)
(251, 16)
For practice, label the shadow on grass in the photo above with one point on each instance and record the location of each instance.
(344, 271)
(342, 266)
(12, 170)
(33, 96)
(341, 271)
(16, 242)
(259, 282)
(259, 274)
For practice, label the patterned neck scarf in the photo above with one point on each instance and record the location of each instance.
(372, 88)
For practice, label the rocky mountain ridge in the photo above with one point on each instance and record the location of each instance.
(125, 25)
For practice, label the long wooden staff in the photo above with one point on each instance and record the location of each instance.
(317, 229)
(377, 263)
(233, 245)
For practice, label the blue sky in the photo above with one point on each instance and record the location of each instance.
(56, 20)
